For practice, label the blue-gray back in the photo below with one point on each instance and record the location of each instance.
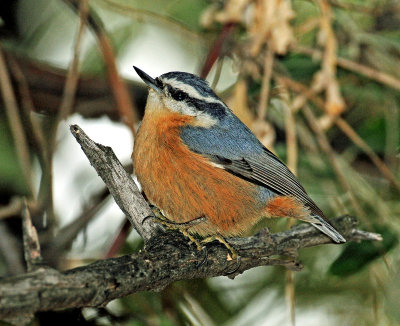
(233, 146)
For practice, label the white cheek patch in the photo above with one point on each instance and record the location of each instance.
(153, 100)
(179, 107)
(205, 120)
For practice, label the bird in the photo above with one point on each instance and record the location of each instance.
(205, 171)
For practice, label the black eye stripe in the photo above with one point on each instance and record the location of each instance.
(215, 109)
(177, 94)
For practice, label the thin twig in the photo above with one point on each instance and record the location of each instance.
(120, 239)
(11, 106)
(290, 295)
(307, 26)
(30, 240)
(123, 100)
(71, 82)
(359, 142)
(349, 6)
(292, 159)
(327, 76)
(67, 234)
(345, 127)
(376, 75)
(124, 105)
(35, 132)
(111, 171)
(66, 106)
(152, 17)
(216, 49)
(329, 152)
(265, 85)
(392, 119)
(28, 108)
(13, 208)
(70, 87)
(218, 71)
(10, 251)
(290, 131)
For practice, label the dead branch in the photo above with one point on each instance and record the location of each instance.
(167, 258)
(121, 185)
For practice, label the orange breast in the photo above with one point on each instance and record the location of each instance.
(185, 186)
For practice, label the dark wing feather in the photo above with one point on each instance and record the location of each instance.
(268, 171)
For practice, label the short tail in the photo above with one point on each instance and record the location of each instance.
(325, 227)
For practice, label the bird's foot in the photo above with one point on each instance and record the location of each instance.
(182, 227)
(233, 253)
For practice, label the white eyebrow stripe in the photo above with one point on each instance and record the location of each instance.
(190, 90)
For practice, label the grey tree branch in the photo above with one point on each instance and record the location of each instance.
(121, 185)
(166, 258)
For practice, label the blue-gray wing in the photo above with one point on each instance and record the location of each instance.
(234, 147)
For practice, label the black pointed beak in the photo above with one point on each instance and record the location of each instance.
(147, 79)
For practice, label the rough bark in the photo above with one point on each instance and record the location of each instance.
(121, 185)
(167, 258)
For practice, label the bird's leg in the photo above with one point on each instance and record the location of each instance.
(157, 215)
(160, 218)
(200, 245)
(181, 227)
(222, 240)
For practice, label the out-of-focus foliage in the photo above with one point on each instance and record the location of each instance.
(279, 59)
(358, 255)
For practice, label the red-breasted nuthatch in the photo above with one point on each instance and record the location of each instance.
(196, 161)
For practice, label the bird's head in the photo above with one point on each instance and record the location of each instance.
(186, 94)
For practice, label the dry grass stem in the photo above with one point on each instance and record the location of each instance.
(290, 295)
(350, 65)
(128, 114)
(27, 110)
(292, 159)
(359, 142)
(331, 155)
(143, 15)
(71, 82)
(345, 127)
(124, 103)
(290, 131)
(265, 86)
(325, 79)
(13, 208)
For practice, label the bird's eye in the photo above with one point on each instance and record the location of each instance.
(179, 95)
